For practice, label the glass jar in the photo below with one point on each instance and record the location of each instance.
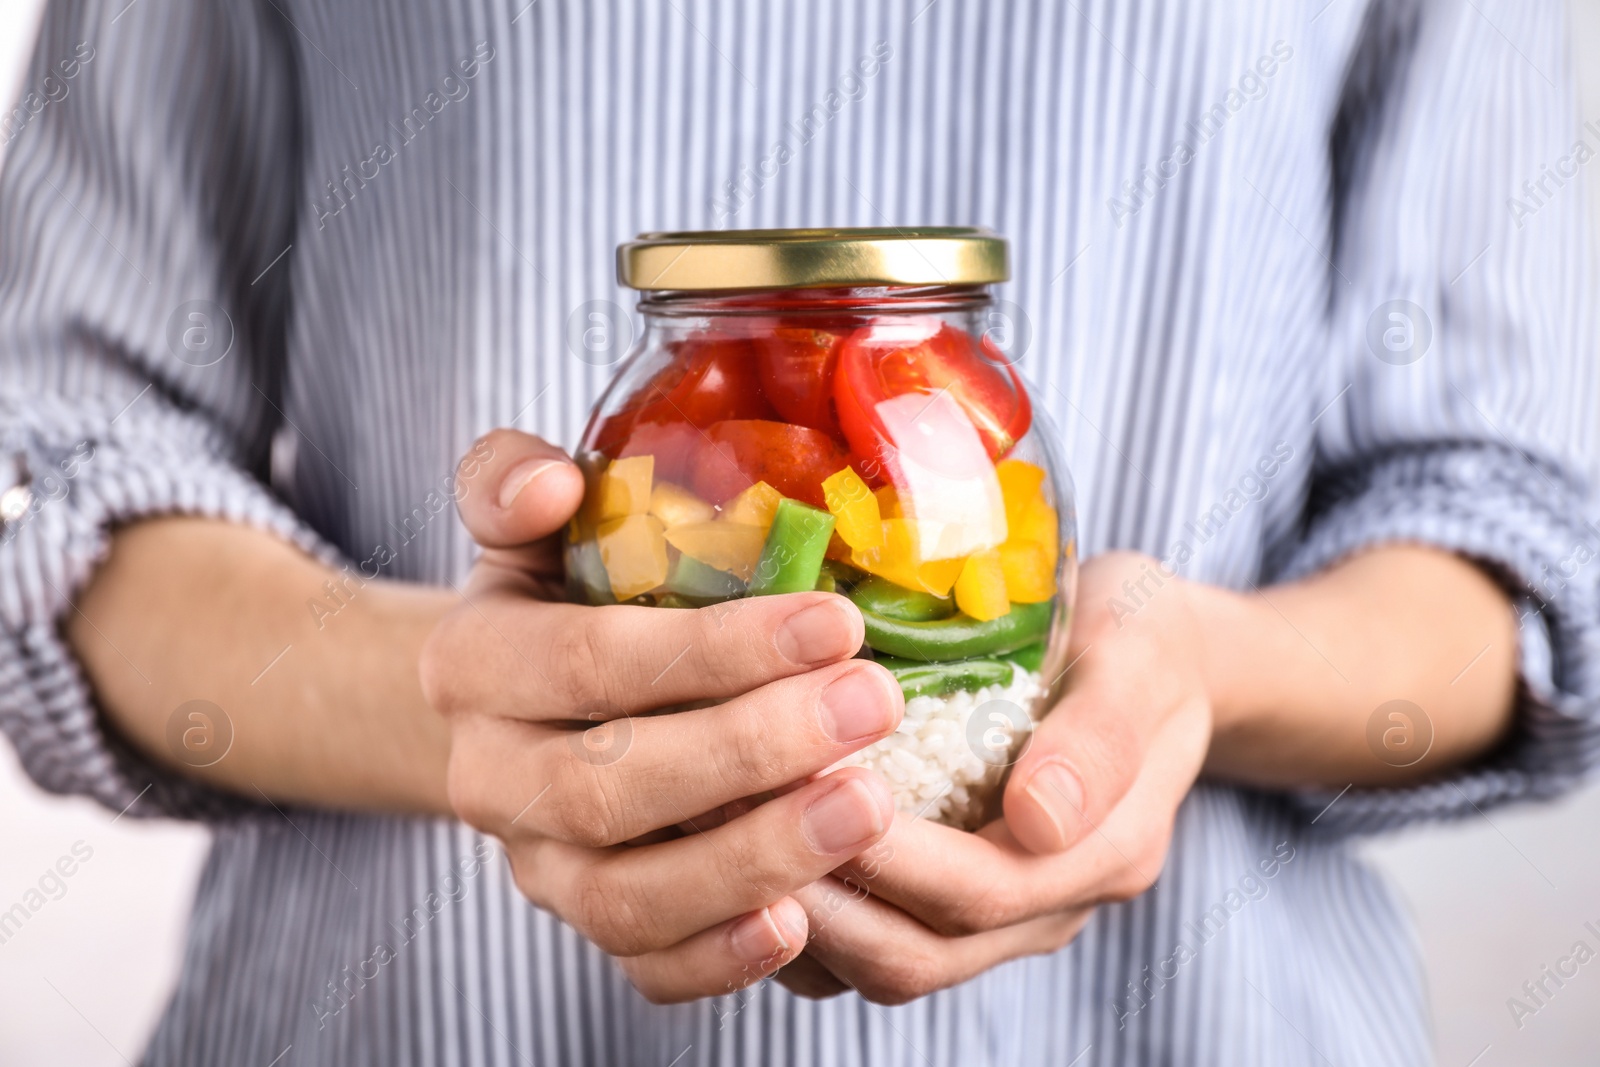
(824, 409)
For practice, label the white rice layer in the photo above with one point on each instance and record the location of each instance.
(943, 765)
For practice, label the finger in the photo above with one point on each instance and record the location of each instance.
(722, 960)
(805, 977)
(649, 772)
(633, 901)
(890, 958)
(1083, 757)
(959, 883)
(681, 767)
(537, 660)
(516, 488)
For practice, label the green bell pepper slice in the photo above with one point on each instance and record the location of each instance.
(890, 601)
(958, 637)
(1029, 657)
(700, 581)
(941, 679)
(791, 559)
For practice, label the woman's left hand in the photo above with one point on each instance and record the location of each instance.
(1089, 811)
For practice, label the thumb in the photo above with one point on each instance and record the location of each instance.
(516, 488)
(1082, 759)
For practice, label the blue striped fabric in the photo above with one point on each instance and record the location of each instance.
(400, 206)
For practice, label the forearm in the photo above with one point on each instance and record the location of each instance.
(188, 609)
(1296, 671)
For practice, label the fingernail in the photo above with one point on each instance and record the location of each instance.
(1059, 795)
(792, 920)
(856, 706)
(756, 937)
(520, 476)
(843, 819)
(817, 634)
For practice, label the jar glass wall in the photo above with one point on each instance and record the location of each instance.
(866, 440)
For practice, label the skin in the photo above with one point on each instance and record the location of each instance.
(522, 715)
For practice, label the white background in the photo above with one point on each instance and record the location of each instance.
(1495, 898)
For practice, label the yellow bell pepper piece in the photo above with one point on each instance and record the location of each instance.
(728, 546)
(1028, 572)
(624, 488)
(675, 505)
(981, 587)
(1020, 484)
(855, 510)
(1040, 525)
(754, 506)
(939, 576)
(889, 502)
(634, 554)
(897, 560)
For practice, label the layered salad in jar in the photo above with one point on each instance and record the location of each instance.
(885, 457)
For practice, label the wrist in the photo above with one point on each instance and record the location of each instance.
(390, 623)
(1269, 681)
(1231, 663)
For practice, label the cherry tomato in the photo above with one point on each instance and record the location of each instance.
(709, 379)
(796, 365)
(886, 360)
(736, 454)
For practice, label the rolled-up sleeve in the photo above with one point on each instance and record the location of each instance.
(146, 212)
(1462, 325)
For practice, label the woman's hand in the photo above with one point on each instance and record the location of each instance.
(1089, 811)
(554, 752)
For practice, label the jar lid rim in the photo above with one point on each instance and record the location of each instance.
(813, 258)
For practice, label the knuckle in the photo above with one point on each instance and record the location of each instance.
(749, 874)
(717, 671)
(903, 978)
(575, 658)
(461, 792)
(524, 861)
(742, 755)
(580, 824)
(984, 912)
(613, 912)
(736, 643)
(464, 786)
(588, 812)
(725, 645)
(441, 682)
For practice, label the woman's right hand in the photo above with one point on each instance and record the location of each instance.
(554, 752)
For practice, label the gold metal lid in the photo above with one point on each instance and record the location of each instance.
(810, 259)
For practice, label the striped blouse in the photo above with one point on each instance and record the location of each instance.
(1291, 278)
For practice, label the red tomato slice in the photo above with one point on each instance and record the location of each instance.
(739, 453)
(892, 358)
(720, 381)
(710, 379)
(796, 365)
